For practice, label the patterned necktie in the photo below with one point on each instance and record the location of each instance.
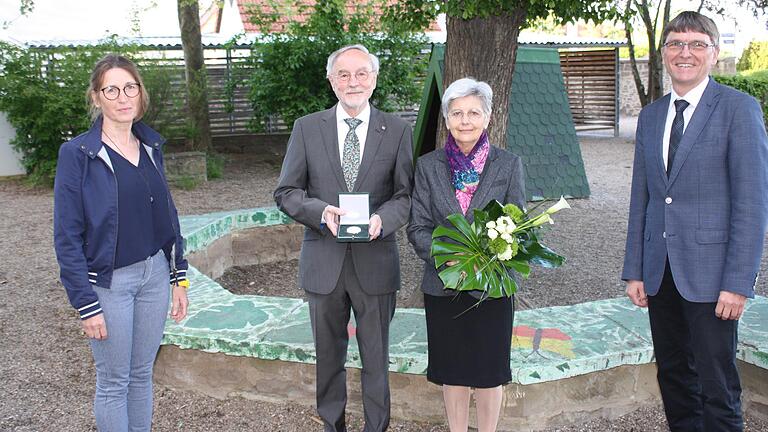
(676, 133)
(350, 161)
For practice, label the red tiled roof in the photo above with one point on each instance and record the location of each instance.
(282, 22)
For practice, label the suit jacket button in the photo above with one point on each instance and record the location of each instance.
(668, 200)
(664, 234)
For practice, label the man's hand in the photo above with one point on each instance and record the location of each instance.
(636, 293)
(374, 227)
(730, 306)
(95, 327)
(331, 217)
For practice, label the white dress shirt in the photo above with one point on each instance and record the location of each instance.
(692, 97)
(342, 128)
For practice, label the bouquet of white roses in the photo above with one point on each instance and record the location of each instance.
(500, 238)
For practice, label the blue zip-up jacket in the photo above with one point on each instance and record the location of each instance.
(85, 216)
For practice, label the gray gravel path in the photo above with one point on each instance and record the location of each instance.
(46, 371)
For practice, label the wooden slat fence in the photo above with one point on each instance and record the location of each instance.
(591, 79)
(220, 64)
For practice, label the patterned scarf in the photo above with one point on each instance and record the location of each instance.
(466, 169)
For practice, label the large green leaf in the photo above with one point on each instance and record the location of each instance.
(538, 254)
(494, 210)
(519, 265)
(441, 248)
(452, 234)
(465, 228)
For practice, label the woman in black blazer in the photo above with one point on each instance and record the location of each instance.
(469, 350)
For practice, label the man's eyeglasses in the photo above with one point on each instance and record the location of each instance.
(361, 75)
(130, 90)
(693, 46)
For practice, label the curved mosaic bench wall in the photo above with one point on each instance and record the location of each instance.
(549, 343)
(569, 363)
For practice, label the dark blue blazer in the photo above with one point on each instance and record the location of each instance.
(710, 215)
(85, 215)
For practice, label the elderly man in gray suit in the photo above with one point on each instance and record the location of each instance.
(697, 221)
(352, 147)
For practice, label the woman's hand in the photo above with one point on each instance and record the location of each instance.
(179, 303)
(95, 327)
(453, 263)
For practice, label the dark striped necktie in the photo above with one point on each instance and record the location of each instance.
(676, 133)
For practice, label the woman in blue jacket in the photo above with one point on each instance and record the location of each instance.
(117, 238)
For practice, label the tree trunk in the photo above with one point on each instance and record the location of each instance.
(635, 71)
(485, 49)
(655, 63)
(198, 124)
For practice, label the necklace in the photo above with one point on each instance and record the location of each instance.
(138, 169)
(117, 147)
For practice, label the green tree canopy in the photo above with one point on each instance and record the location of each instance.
(286, 72)
(482, 39)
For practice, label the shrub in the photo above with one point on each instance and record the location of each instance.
(641, 51)
(755, 57)
(43, 93)
(214, 165)
(286, 72)
(755, 84)
(187, 183)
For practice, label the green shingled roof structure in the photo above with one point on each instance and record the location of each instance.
(540, 128)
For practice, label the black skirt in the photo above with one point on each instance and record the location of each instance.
(472, 349)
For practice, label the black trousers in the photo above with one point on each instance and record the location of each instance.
(696, 359)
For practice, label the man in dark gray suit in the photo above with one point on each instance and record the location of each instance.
(697, 221)
(352, 147)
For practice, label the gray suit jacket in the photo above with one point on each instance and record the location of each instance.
(311, 178)
(434, 198)
(710, 215)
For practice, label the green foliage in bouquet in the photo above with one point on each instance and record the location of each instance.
(477, 256)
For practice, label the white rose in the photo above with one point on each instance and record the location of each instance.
(492, 234)
(510, 228)
(506, 237)
(490, 224)
(506, 255)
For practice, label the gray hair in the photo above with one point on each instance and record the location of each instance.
(334, 55)
(468, 87)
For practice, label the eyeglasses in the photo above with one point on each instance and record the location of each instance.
(130, 90)
(361, 75)
(472, 115)
(693, 46)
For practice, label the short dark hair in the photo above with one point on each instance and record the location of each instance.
(114, 61)
(691, 21)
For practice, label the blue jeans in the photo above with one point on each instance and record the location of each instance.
(135, 309)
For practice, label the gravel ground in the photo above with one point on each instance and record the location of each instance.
(46, 371)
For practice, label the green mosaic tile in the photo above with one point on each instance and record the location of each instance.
(200, 231)
(548, 344)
